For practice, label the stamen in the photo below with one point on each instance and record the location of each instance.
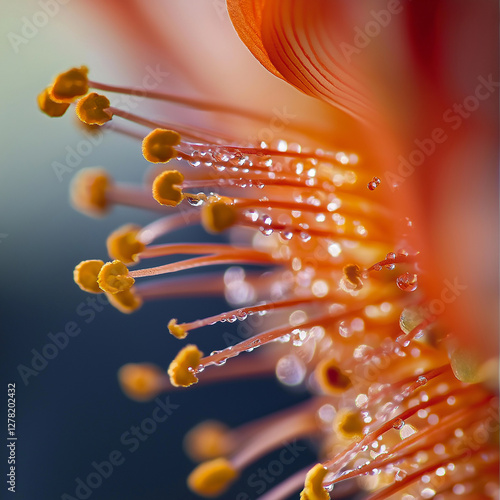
(50, 107)
(158, 145)
(211, 479)
(126, 302)
(313, 486)
(182, 369)
(249, 256)
(141, 382)
(241, 314)
(218, 215)
(94, 109)
(70, 85)
(86, 273)
(89, 191)
(166, 190)
(114, 277)
(123, 244)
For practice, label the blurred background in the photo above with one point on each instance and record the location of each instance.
(72, 412)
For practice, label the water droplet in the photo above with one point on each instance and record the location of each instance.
(398, 423)
(400, 475)
(221, 362)
(195, 202)
(373, 184)
(407, 282)
(422, 380)
(304, 236)
(377, 267)
(390, 267)
(390, 256)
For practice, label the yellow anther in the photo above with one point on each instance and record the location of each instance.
(313, 485)
(218, 215)
(331, 378)
(158, 146)
(85, 275)
(88, 191)
(126, 302)
(123, 244)
(181, 369)
(348, 424)
(207, 440)
(141, 382)
(352, 277)
(166, 188)
(465, 365)
(70, 85)
(114, 278)
(91, 109)
(49, 106)
(176, 330)
(212, 478)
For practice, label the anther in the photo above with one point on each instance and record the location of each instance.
(352, 277)
(313, 486)
(88, 191)
(208, 440)
(126, 302)
(50, 107)
(349, 424)
(158, 146)
(176, 330)
(70, 85)
(166, 188)
(85, 275)
(212, 478)
(181, 369)
(218, 215)
(123, 244)
(141, 382)
(114, 278)
(92, 109)
(331, 378)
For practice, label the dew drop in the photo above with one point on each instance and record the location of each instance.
(400, 475)
(407, 282)
(398, 423)
(373, 184)
(195, 202)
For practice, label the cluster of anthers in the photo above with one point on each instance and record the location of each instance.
(398, 411)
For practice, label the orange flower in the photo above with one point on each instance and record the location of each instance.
(358, 294)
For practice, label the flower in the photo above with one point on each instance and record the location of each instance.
(347, 290)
